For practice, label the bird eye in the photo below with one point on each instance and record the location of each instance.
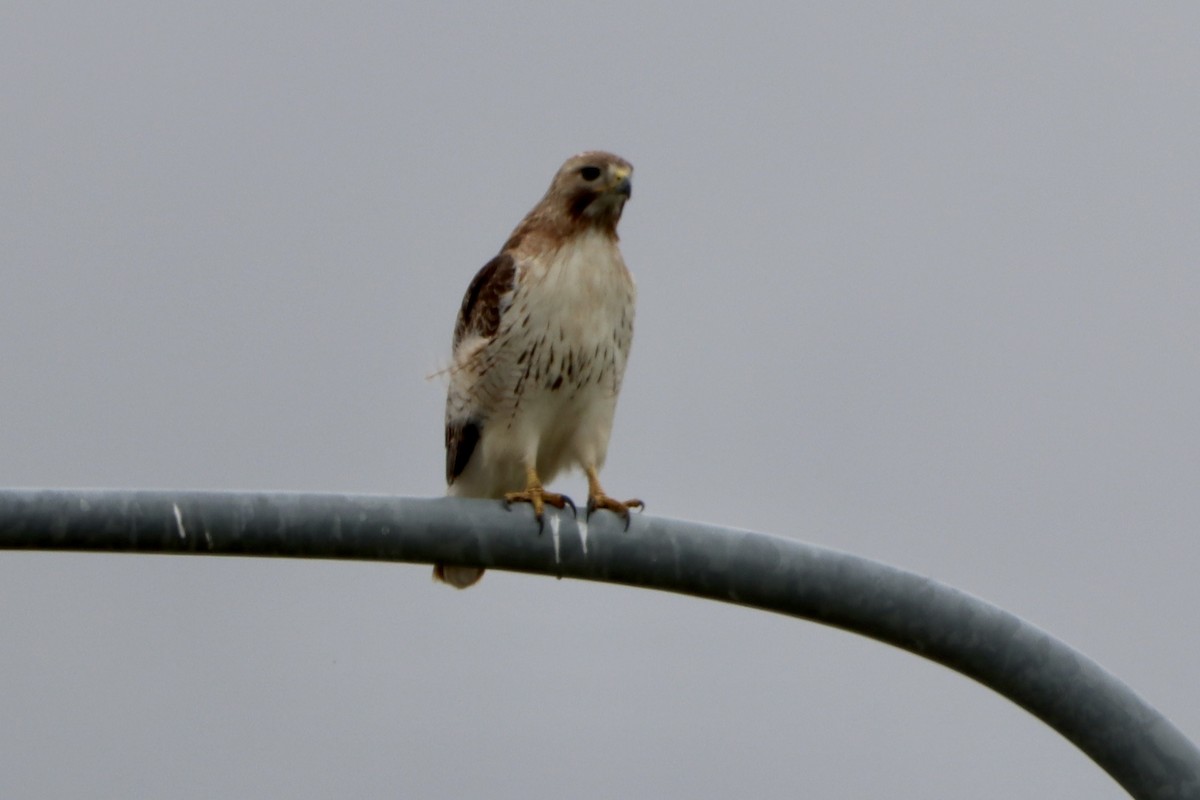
(589, 173)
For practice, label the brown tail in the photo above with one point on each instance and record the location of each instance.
(458, 577)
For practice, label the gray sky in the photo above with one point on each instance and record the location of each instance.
(917, 284)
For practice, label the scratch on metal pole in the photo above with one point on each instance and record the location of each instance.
(582, 525)
(179, 521)
(554, 523)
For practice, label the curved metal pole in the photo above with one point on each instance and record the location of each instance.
(1128, 738)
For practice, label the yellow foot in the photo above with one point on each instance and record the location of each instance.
(602, 500)
(539, 498)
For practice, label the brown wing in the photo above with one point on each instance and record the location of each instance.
(461, 439)
(480, 312)
(479, 316)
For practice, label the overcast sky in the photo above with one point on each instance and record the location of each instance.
(921, 285)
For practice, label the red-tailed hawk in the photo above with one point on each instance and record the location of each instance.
(540, 349)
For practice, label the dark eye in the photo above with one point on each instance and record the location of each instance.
(589, 173)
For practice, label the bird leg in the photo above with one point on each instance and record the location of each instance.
(537, 496)
(598, 499)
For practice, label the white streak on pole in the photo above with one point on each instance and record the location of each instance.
(582, 525)
(179, 521)
(554, 523)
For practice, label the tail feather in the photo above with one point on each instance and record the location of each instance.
(458, 577)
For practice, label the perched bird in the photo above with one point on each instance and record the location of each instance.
(540, 348)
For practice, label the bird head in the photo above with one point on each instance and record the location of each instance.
(592, 187)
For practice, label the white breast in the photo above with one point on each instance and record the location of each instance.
(566, 337)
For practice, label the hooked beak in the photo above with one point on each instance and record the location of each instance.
(622, 181)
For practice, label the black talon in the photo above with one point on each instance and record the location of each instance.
(571, 503)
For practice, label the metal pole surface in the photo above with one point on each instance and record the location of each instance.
(1129, 739)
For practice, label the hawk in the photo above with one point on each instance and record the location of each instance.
(539, 351)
